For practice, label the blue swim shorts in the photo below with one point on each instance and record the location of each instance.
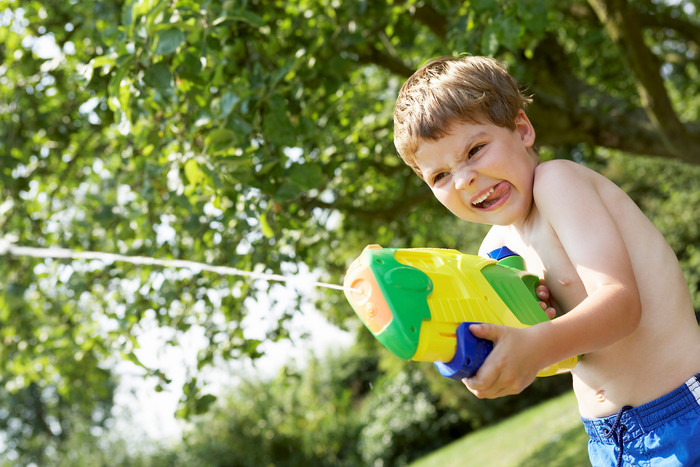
(663, 432)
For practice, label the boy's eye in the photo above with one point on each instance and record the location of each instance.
(475, 149)
(439, 177)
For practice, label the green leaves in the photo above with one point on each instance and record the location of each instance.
(194, 402)
(220, 137)
(158, 76)
(266, 228)
(228, 101)
(306, 176)
(194, 174)
(504, 32)
(276, 124)
(509, 25)
(245, 16)
(169, 40)
(119, 86)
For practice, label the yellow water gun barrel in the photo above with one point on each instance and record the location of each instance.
(414, 300)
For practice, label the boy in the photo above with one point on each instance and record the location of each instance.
(461, 125)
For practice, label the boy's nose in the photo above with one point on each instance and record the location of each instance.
(464, 177)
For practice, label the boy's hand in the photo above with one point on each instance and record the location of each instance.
(509, 368)
(546, 301)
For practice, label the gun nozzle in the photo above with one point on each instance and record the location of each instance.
(360, 291)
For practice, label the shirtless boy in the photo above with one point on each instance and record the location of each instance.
(623, 301)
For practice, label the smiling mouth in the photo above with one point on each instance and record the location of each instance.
(491, 197)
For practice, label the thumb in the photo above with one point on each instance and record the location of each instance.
(485, 331)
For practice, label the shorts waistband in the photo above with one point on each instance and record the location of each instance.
(647, 417)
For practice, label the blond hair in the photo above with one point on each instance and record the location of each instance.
(451, 90)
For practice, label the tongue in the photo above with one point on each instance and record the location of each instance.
(498, 192)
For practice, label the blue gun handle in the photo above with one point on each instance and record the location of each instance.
(471, 353)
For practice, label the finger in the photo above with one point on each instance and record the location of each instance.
(482, 383)
(550, 312)
(542, 292)
(485, 331)
(475, 388)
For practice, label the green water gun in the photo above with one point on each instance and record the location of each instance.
(419, 303)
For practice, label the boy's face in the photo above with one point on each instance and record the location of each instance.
(482, 172)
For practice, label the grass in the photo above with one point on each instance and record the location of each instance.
(550, 434)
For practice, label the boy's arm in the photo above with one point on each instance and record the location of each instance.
(493, 240)
(571, 205)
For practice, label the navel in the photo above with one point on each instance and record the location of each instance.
(600, 396)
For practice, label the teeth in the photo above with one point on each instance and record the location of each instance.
(482, 197)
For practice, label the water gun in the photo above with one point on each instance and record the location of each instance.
(419, 303)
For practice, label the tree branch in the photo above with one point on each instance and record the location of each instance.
(433, 19)
(622, 23)
(425, 14)
(625, 131)
(561, 119)
(385, 60)
(661, 18)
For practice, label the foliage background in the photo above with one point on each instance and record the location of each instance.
(257, 134)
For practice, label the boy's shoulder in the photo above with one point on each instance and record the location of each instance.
(550, 178)
(495, 238)
(562, 190)
(560, 169)
(555, 179)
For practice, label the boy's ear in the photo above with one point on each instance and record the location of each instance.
(525, 128)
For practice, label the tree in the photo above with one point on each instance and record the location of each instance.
(257, 134)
